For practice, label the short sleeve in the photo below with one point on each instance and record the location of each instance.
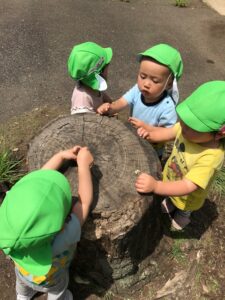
(169, 116)
(205, 167)
(131, 95)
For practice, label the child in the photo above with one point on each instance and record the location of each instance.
(150, 101)
(197, 154)
(88, 65)
(39, 229)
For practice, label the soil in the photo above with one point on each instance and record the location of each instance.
(192, 262)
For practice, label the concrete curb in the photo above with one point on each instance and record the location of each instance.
(217, 5)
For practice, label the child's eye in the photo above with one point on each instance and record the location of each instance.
(155, 80)
(143, 76)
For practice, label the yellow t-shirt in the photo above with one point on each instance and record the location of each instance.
(195, 163)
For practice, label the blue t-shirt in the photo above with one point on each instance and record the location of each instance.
(161, 113)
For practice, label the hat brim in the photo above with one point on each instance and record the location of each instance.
(186, 115)
(109, 54)
(37, 261)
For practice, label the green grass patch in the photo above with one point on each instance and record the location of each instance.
(218, 185)
(10, 167)
(177, 253)
(181, 3)
(213, 284)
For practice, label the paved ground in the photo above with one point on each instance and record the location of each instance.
(36, 38)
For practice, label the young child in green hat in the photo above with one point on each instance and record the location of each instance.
(152, 100)
(88, 64)
(40, 228)
(197, 154)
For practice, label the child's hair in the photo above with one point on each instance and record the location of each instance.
(165, 55)
(204, 109)
(86, 63)
(32, 213)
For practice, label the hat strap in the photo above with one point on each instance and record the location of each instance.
(175, 91)
(102, 83)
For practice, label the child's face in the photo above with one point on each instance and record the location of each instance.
(153, 80)
(196, 136)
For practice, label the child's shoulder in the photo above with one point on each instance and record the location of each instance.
(168, 100)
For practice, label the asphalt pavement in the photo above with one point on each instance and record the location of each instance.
(37, 37)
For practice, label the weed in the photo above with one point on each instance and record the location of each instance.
(214, 285)
(218, 185)
(181, 3)
(108, 296)
(177, 253)
(198, 275)
(10, 167)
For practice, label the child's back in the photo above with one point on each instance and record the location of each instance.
(42, 240)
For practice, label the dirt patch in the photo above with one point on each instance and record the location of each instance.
(192, 264)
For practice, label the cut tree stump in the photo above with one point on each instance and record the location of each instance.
(123, 229)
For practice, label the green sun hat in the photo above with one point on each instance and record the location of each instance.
(167, 56)
(32, 213)
(86, 61)
(204, 109)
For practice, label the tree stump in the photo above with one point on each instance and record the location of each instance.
(123, 229)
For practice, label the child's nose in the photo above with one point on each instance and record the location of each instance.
(147, 84)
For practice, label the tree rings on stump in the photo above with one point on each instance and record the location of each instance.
(122, 230)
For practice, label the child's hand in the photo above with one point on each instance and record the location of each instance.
(136, 122)
(56, 161)
(143, 133)
(103, 109)
(84, 157)
(70, 153)
(145, 183)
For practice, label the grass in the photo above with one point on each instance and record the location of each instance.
(213, 285)
(218, 185)
(10, 167)
(181, 3)
(177, 252)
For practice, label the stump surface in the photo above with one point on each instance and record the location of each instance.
(114, 242)
(117, 153)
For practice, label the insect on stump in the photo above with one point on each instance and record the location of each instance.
(123, 229)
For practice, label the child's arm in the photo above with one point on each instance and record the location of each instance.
(157, 134)
(112, 108)
(56, 161)
(137, 123)
(146, 184)
(85, 187)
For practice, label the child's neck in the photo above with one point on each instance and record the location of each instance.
(154, 101)
(91, 91)
(213, 144)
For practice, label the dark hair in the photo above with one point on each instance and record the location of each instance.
(143, 57)
(3, 189)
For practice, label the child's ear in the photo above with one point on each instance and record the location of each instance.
(170, 83)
